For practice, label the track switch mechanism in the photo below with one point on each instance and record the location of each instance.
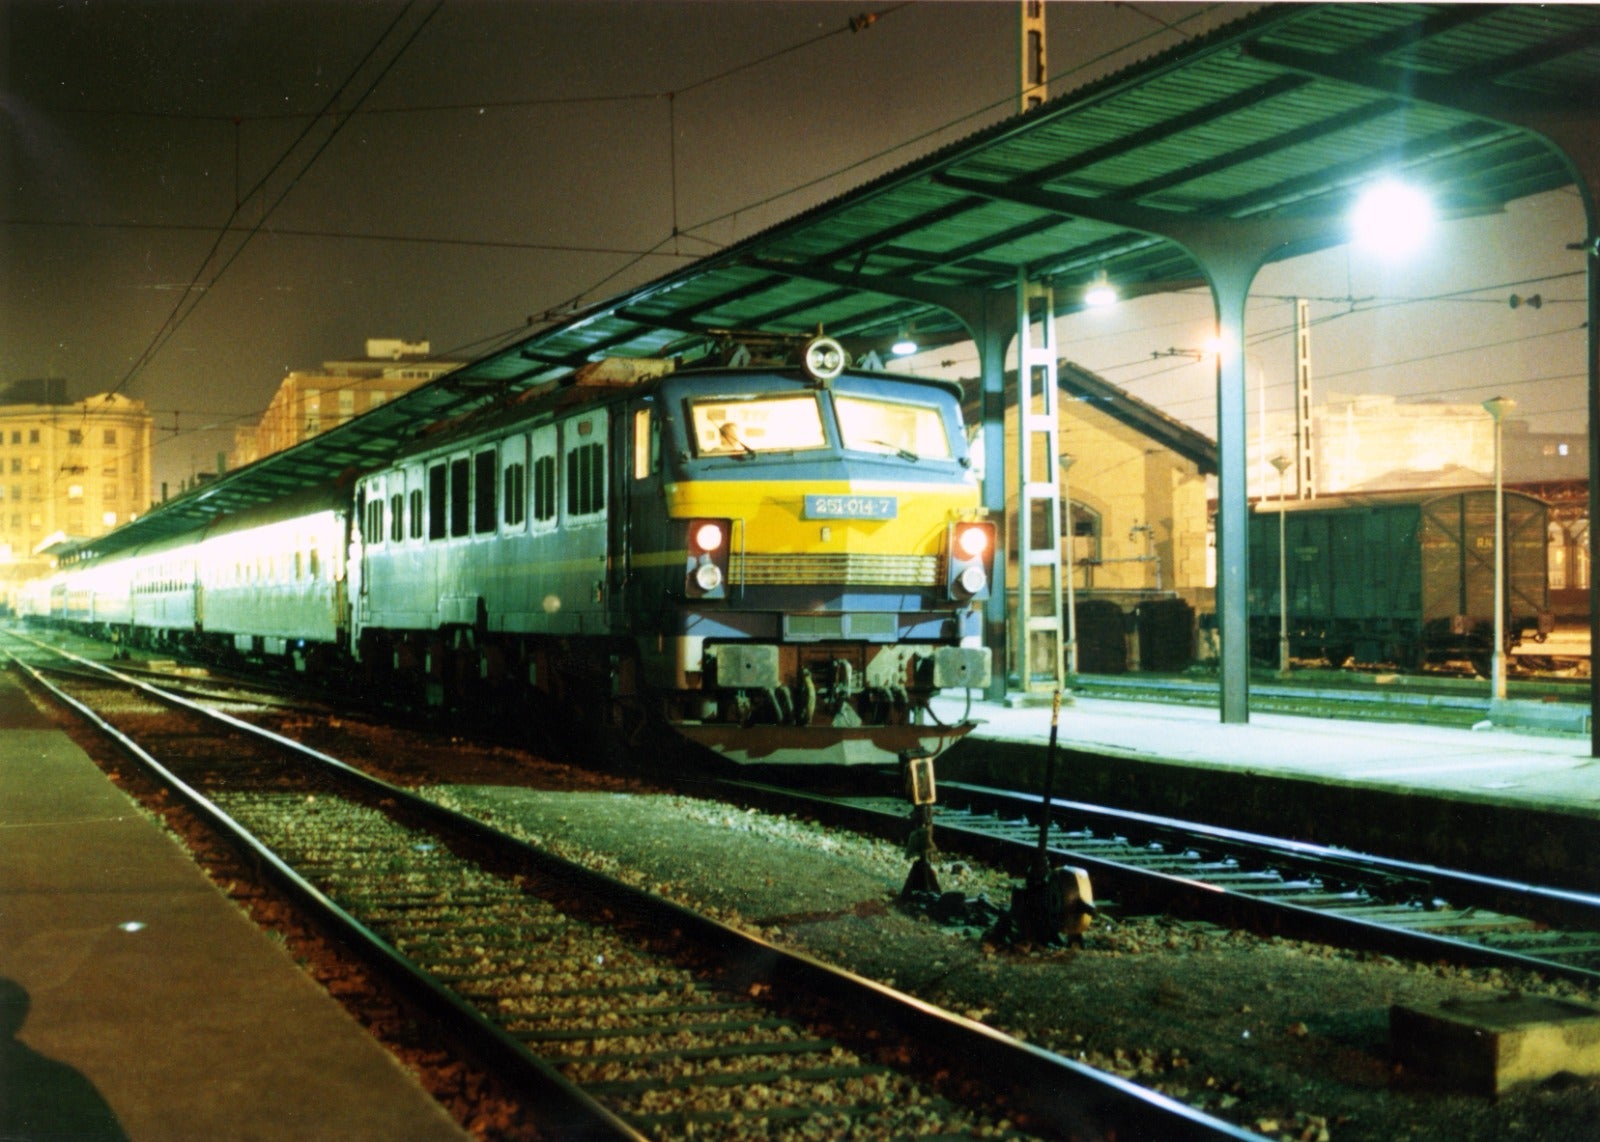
(922, 792)
(1052, 906)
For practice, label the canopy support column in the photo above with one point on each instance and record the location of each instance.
(993, 333)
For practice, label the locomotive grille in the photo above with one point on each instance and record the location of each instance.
(848, 567)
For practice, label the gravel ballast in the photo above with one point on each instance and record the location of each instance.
(1286, 1038)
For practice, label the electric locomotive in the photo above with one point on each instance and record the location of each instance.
(782, 561)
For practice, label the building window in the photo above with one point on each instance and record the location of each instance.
(74, 436)
(33, 436)
(74, 491)
(111, 436)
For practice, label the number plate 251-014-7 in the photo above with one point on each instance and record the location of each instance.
(851, 507)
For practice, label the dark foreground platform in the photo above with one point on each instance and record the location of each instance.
(1516, 804)
(138, 1002)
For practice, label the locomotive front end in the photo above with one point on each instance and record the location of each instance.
(833, 558)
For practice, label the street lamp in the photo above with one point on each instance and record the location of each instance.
(1497, 407)
(1066, 463)
(1281, 463)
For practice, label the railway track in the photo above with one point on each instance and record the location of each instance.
(624, 1015)
(1268, 885)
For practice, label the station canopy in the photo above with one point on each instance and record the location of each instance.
(1284, 115)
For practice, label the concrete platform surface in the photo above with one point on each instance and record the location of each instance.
(137, 1002)
(1503, 766)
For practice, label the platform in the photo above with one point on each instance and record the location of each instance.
(1513, 803)
(138, 1001)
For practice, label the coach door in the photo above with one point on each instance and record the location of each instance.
(639, 520)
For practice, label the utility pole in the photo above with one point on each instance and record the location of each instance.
(1034, 72)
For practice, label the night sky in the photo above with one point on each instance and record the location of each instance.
(202, 196)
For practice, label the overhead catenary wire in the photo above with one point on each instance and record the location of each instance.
(193, 296)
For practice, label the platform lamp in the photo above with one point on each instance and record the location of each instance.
(1066, 463)
(1282, 463)
(1497, 407)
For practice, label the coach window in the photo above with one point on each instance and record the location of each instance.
(585, 467)
(374, 529)
(414, 512)
(513, 482)
(484, 466)
(438, 499)
(460, 496)
(544, 478)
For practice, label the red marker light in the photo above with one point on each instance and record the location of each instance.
(972, 542)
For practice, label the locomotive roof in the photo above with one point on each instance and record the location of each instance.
(559, 396)
(1277, 118)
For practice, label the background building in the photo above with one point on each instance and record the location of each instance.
(73, 467)
(311, 402)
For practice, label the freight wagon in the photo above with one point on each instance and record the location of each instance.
(1402, 579)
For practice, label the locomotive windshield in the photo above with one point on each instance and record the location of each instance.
(784, 423)
(794, 422)
(913, 431)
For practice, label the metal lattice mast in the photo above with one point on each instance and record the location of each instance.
(1034, 73)
(1305, 464)
(1039, 595)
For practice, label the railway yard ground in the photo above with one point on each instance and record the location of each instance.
(1284, 1038)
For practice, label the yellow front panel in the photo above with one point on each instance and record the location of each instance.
(771, 514)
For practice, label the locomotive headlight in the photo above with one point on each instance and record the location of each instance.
(708, 536)
(971, 547)
(707, 555)
(972, 542)
(708, 577)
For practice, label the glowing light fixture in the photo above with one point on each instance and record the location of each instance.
(905, 344)
(1392, 218)
(708, 537)
(1100, 293)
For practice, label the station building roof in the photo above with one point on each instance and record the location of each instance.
(1281, 116)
